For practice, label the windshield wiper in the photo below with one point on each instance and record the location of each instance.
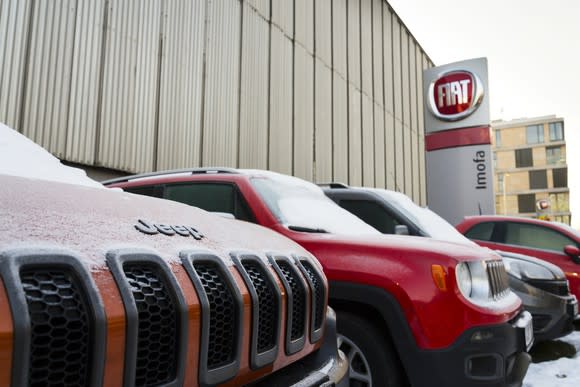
(307, 229)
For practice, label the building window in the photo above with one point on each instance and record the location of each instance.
(497, 138)
(538, 179)
(524, 158)
(535, 134)
(560, 202)
(556, 131)
(500, 182)
(526, 203)
(554, 154)
(560, 177)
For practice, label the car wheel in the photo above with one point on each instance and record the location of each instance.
(370, 355)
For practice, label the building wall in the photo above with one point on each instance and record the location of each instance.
(325, 90)
(519, 180)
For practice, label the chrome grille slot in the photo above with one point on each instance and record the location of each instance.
(498, 279)
(61, 328)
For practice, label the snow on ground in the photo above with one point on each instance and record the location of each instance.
(563, 372)
(20, 156)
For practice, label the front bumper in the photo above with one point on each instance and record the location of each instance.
(324, 368)
(553, 313)
(490, 356)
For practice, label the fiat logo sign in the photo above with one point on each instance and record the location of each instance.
(455, 95)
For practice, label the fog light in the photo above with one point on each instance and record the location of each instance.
(480, 336)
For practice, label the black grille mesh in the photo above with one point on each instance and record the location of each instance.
(267, 305)
(157, 337)
(498, 279)
(298, 299)
(221, 348)
(318, 293)
(61, 328)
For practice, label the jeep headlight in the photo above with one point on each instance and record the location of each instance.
(472, 281)
(525, 269)
(464, 282)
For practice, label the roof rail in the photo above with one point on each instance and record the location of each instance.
(333, 185)
(193, 171)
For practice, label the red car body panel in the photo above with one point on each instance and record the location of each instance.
(570, 268)
(393, 263)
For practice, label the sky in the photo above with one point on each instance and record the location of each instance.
(533, 51)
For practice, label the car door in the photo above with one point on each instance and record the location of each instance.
(525, 238)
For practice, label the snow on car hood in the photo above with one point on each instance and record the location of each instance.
(20, 156)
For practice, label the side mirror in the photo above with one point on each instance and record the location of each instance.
(401, 229)
(573, 252)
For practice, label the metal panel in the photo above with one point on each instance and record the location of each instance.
(303, 113)
(368, 142)
(366, 24)
(222, 70)
(304, 24)
(378, 52)
(422, 173)
(340, 128)
(14, 20)
(414, 120)
(388, 60)
(322, 122)
(130, 86)
(408, 170)
(398, 105)
(390, 152)
(85, 83)
(283, 16)
(322, 31)
(253, 146)
(180, 103)
(339, 37)
(261, 6)
(353, 24)
(49, 74)
(355, 153)
(379, 140)
(280, 147)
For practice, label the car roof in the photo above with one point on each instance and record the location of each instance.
(475, 219)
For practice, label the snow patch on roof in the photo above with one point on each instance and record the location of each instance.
(20, 156)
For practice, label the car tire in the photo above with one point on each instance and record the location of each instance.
(371, 356)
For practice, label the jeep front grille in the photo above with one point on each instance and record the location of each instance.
(61, 328)
(157, 325)
(498, 279)
(298, 307)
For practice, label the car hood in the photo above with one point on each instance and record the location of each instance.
(95, 221)
(558, 273)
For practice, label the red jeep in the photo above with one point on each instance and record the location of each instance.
(410, 310)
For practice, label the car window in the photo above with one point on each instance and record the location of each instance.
(151, 190)
(533, 236)
(481, 231)
(372, 213)
(213, 197)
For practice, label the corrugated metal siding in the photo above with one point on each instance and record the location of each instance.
(339, 39)
(368, 142)
(322, 122)
(85, 82)
(355, 136)
(14, 20)
(262, 6)
(281, 84)
(253, 146)
(379, 124)
(398, 106)
(180, 96)
(130, 86)
(366, 24)
(414, 121)
(323, 31)
(303, 113)
(340, 128)
(283, 16)
(353, 19)
(222, 70)
(49, 75)
(390, 152)
(378, 52)
(304, 24)
(421, 65)
(388, 87)
(408, 169)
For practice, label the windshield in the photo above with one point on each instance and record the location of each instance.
(303, 206)
(425, 219)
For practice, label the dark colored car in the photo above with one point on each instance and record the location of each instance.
(409, 310)
(541, 285)
(554, 242)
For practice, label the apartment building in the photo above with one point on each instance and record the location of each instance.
(530, 170)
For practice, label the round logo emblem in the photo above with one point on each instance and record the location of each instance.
(455, 95)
